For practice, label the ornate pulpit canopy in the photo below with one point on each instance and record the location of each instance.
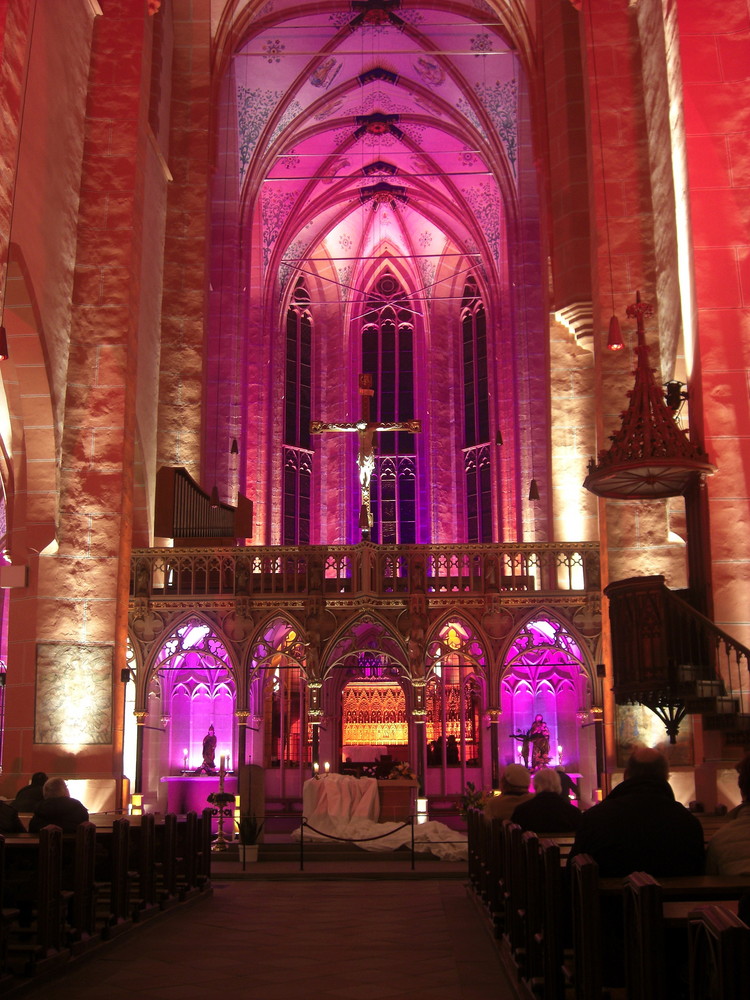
(650, 456)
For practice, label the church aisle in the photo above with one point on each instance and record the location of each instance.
(377, 940)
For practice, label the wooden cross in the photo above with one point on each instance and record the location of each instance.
(366, 429)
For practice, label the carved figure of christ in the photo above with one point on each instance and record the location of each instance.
(365, 429)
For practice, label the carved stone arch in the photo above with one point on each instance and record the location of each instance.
(271, 640)
(544, 685)
(150, 664)
(553, 615)
(473, 645)
(348, 642)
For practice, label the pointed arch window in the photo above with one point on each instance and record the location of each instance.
(388, 355)
(477, 468)
(278, 695)
(545, 683)
(191, 687)
(454, 698)
(297, 453)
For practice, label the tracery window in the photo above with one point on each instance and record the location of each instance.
(279, 697)
(477, 470)
(297, 453)
(191, 687)
(453, 698)
(388, 355)
(544, 676)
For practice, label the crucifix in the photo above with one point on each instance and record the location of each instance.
(365, 429)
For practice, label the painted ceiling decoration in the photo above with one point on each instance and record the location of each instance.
(376, 127)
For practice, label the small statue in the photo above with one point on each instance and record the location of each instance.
(209, 752)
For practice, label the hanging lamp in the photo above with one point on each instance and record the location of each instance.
(650, 457)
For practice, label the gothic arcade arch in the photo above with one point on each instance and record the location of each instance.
(189, 684)
(278, 701)
(456, 669)
(546, 671)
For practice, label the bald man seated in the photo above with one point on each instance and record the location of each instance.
(640, 827)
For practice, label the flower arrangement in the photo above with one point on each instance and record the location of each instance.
(402, 770)
(472, 798)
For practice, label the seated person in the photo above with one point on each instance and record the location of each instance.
(514, 788)
(10, 821)
(729, 850)
(58, 808)
(640, 827)
(549, 811)
(29, 797)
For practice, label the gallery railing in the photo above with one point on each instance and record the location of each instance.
(366, 569)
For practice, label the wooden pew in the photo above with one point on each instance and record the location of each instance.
(474, 848)
(719, 964)
(494, 865)
(117, 914)
(553, 931)
(587, 931)
(205, 841)
(166, 868)
(187, 856)
(41, 944)
(144, 903)
(532, 969)
(645, 970)
(8, 915)
(85, 889)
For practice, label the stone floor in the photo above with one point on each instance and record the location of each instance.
(375, 939)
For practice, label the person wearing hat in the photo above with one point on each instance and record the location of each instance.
(514, 789)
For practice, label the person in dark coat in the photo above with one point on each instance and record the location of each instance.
(58, 808)
(640, 826)
(548, 811)
(29, 797)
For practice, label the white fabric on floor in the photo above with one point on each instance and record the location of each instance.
(437, 838)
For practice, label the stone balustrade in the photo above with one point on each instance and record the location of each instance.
(366, 569)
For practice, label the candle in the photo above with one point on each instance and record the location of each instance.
(184, 757)
(222, 761)
(327, 767)
(316, 767)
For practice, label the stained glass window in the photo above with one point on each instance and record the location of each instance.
(477, 470)
(388, 355)
(297, 455)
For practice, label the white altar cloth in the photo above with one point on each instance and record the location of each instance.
(340, 796)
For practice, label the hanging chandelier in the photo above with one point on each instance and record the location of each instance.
(650, 457)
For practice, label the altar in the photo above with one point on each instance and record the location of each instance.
(397, 799)
(341, 797)
(189, 792)
(344, 797)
